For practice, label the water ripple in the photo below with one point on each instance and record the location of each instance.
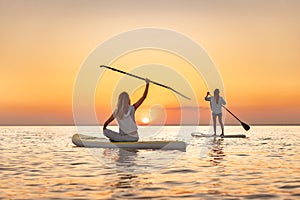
(260, 196)
(290, 186)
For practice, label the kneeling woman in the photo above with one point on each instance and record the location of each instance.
(125, 115)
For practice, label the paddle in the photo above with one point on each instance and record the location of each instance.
(245, 126)
(117, 70)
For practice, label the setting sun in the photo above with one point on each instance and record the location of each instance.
(145, 120)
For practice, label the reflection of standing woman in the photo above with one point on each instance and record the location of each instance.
(216, 103)
(125, 115)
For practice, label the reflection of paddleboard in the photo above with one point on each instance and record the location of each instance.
(198, 134)
(95, 142)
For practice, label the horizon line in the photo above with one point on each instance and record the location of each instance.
(256, 124)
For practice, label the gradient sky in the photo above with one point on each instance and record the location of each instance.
(255, 44)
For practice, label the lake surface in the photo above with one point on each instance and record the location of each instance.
(40, 162)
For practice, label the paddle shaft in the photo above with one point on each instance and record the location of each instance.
(245, 126)
(231, 113)
(135, 76)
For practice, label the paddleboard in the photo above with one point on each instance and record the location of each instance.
(95, 142)
(198, 134)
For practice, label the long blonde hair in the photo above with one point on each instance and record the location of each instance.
(216, 95)
(123, 105)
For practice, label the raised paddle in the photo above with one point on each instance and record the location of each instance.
(245, 126)
(117, 70)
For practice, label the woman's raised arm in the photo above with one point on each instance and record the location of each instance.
(141, 100)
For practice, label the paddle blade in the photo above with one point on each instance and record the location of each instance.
(245, 126)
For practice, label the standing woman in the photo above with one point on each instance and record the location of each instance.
(125, 115)
(216, 103)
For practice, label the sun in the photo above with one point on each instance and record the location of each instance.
(145, 120)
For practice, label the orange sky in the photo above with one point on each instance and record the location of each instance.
(254, 44)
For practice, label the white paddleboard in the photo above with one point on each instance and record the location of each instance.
(95, 142)
(198, 134)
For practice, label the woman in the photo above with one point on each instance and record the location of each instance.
(124, 114)
(216, 103)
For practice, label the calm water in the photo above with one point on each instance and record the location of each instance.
(42, 163)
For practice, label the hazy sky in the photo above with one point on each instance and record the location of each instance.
(254, 43)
